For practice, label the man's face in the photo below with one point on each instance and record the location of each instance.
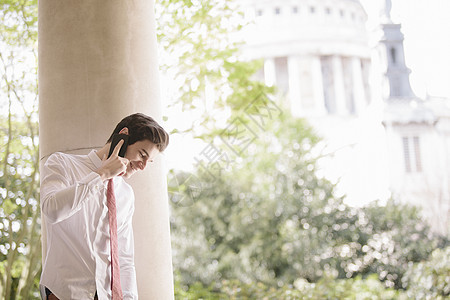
(140, 154)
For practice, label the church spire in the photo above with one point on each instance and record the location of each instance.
(385, 12)
(392, 53)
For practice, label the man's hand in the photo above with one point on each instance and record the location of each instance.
(114, 165)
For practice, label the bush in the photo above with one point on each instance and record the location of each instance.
(429, 279)
(326, 288)
(424, 280)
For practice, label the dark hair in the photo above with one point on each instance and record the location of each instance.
(142, 127)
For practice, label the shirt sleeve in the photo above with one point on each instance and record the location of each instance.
(126, 257)
(60, 197)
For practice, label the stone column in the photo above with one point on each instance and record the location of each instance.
(339, 89)
(269, 71)
(358, 85)
(316, 71)
(294, 85)
(98, 64)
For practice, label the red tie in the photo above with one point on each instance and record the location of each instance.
(115, 268)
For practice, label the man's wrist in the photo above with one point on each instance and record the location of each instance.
(102, 175)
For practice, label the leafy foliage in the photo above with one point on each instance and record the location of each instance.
(19, 193)
(429, 279)
(199, 54)
(272, 219)
(19, 22)
(424, 280)
(326, 288)
(396, 237)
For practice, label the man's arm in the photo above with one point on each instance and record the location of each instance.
(61, 198)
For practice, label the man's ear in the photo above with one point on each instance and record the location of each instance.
(124, 131)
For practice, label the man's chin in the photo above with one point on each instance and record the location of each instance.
(128, 174)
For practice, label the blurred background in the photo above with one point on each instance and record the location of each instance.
(309, 153)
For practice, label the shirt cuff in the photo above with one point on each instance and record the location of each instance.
(94, 182)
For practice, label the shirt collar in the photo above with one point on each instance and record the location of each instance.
(95, 159)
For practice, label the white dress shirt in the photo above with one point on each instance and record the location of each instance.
(77, 262)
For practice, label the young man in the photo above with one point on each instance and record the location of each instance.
(86, 258)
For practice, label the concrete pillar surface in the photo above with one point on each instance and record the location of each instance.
(98, 64)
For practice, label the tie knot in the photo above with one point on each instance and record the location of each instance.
(110, 190)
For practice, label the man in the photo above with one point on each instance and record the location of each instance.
(76, 196)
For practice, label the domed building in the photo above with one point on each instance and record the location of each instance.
(316, 52)
(378, 135)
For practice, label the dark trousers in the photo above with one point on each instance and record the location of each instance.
(51, 296)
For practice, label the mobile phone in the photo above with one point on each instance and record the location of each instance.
(115, 140)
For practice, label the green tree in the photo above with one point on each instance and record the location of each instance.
(19, 184)
(199, 54)
(270, 218)
(244, 221)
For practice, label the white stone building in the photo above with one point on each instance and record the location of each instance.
(417, 131)
(319, 56)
